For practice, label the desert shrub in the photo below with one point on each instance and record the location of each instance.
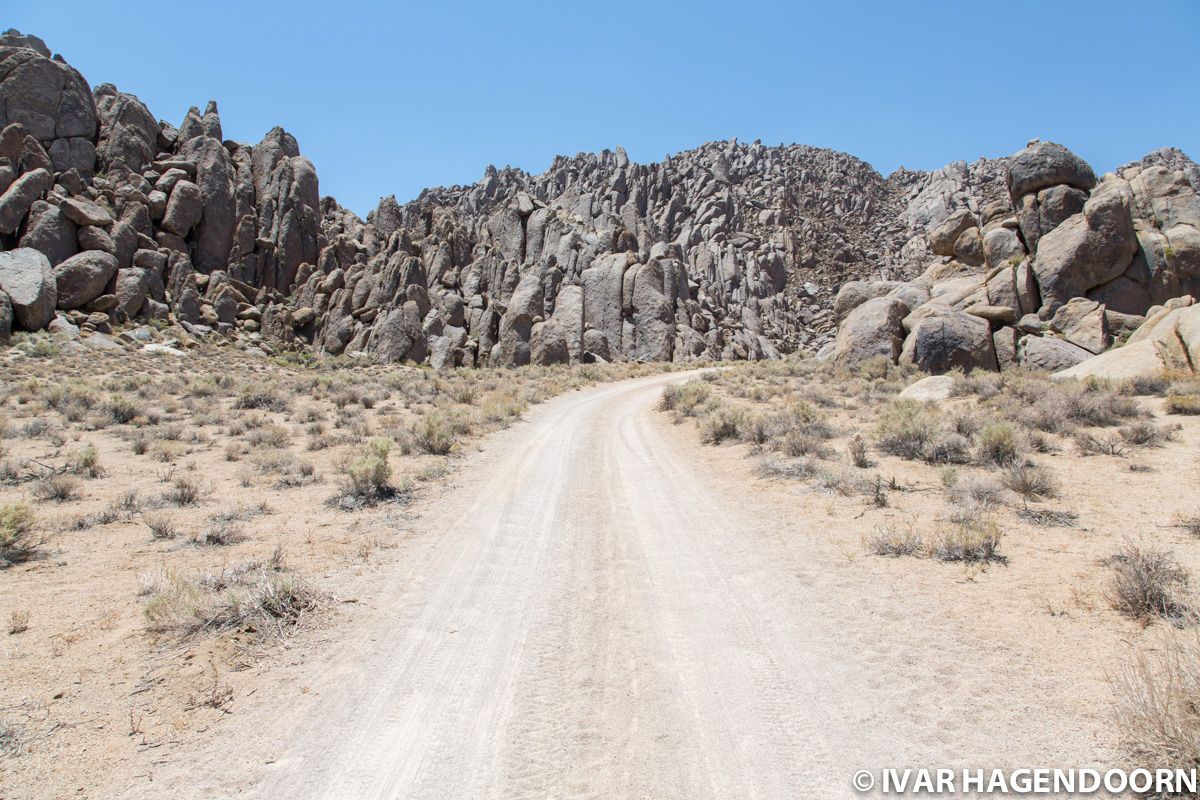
(185, 490)
(974, 495)
(434, 434)
(1147, 583)
(1189, 522)
(56, 488)
(1030, 481)
(120, 409)
(161, 526)
(1104, 444)
(367, 475)
(797, 443)
(1158, 704)
(795, 469)
(859, 452)
(972, 541)
(17, 540)
(1183, 404)
(998, 444)
(1145, 434)
(722, 423)
(905, 429)
(274, 436)
(685, 399)
(87, 462)
(893, 542)
(948, 447)
(221, 533)
(253, 594)
(264, 397)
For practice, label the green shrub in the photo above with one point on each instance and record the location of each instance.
(17, 542)
(998, 444)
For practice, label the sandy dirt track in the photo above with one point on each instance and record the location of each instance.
(591, 611)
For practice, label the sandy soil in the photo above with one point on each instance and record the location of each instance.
(599, 606)
(95, 700)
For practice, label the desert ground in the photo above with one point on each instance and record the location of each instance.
(244, 575)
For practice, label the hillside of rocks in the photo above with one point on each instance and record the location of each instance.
(109, 216)
(1065, 268)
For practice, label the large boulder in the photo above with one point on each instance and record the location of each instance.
(1041, 212)
(28, 280)
(288, 203)
(943, 238)
(946, 339)
(185, 206)
(548, 344)
(1049, 353)
(50, 100)
(83, 276)
(1043, 164)
(128, 131)
(853, 294)
(568, 313)
(602, 283)
(20, 197)
(1083, 322)
(132, 288)
(6, 317)
(398, 336)
(1087, 250)
(873, 329)
(213, 235)
(50, 231)
(652, 315)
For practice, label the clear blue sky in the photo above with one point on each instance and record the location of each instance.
(393, 99)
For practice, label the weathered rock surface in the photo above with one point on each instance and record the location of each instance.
(729, 251)
(83, 276)
(27, 280)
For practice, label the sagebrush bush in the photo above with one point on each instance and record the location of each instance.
(1147, 583)
(998, 444)
(905, 429)
(17, 540)
(894, 542)
(1158, 704)
(1030, 481)
(722, 423)
(972, 541)
(435, 434)
(368, 475)
(56, 488)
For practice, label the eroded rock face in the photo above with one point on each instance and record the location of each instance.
(50, 100)
(27, 280)
(728, 251)
(83, 276)
(1088, 249)
(871, 330)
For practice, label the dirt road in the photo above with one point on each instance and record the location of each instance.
(589, 612)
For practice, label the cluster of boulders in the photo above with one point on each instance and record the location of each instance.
(107, 215)
(1058, 270)
(728, 251)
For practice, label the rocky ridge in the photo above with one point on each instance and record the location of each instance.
(1063, 269)
(727, 251)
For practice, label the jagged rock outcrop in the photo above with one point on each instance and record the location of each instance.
(1070, 265)
(727, 251)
